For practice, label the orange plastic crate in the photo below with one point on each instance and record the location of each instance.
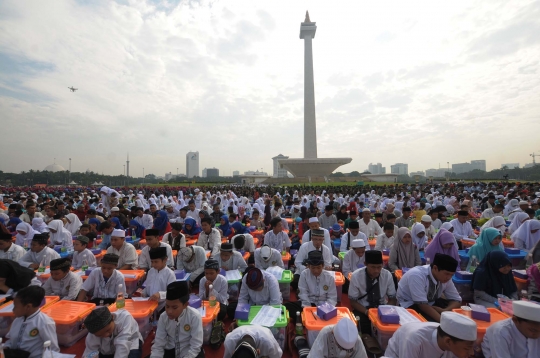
(482, 326)
(314, 324)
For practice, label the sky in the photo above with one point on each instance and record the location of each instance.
(417, 82)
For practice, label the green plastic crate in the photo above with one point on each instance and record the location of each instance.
(286, 277)
(342, 255)
(281, 321)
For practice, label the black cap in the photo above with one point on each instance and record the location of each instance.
(59, 264)
(226, 247)
(152, 232)
(158, 253)
(373, 257)
(177, 290)
(211, 264)
(445, 262)
(315, 257)
(98, 319)
(354, 225)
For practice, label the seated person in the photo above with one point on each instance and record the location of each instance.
(266, 257)
(152, 242)
(191, 259)
(443, 243)
(126, 252)
(419, 237)
(276, 238)
(112, 334)
(454, 337)
(102, 284)
(518, 336)
(39, 253)
(81, 255)
(404, 253)
(492, 277)
(489, 240)
(190, 229)
(59, 235)
(106, 229)
(241, 230)
(353, 234)
(256, 220)
(338, 340)
(63, 282)
(252, 342)
(8, 249)
(175, 238)
(229, 259)
(370, 287)
(14, 277)
(316, 286)
(30, 328)
(172, 341)
(385, 241)
(316, 243)
(314, 224)
(422, 287)
(209, 237)
(243, 243)
(354, 258)
(219, 285)
(527, 235)
(158, 277)
(259, 288)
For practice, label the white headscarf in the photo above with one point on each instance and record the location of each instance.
(420, 242)
(517, 221)
(29, 233)
(62, 236)
(495, 222)
(511, 206)
(525, 235)
(73, 223)
(39, 225)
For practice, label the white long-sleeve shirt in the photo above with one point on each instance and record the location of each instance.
(14, 253)
(274, 260)
(263, 337)
(144, 259)
(416, 340)
(384, 242)
(317, 289)
(249, 243)
(358, 287)
(327, 241)
(157, 282)
(462, 231)
(235, 262)
(211, 242)
(351, 261)
(221, 287)
(67, 288)
(371, 229)
(125, 337)
(303, 254)
(184, 334)
(78, 258)
(98, 287)
(322, 346)
(195, 266)
(31, 257)
(127, 254)
(503, 340)
(347, 239)
(21, 334)
(269, 295)
(146, 220)
(276, 241)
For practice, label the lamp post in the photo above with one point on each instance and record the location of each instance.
(124, 174)
(143, 176)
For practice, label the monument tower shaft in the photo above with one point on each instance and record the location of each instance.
(307, 33)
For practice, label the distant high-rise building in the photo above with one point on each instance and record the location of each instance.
(461, 168)
(478, 164)
(421, 173)
(235, 173)
(192, 164)
(210, 172)
(376, 168)
(436, 173)
(400, 168)
(278, 172)
(169, 176)
(510, 165)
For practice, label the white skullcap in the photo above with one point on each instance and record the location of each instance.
(266, 252)
(346, 333)
(426, 219)
(523, 202)
(526, 310)
(115, 208)
(313, 220)
(358, 243)
(118, 233)
(458, 326)
(366, 210)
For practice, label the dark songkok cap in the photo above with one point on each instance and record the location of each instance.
(211, 264)
(152, 232)
(98, 319)
(5, 236)
(373, 257)
(254, 278)
(315, 258)
(445, 262)
(354, 225)
(83, 239)
(226, 247)
(158, 253)
(177, 290)
(59, 264)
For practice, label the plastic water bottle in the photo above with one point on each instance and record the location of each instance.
(101, 302)
(120, 299)
(299, 326)
(94, 243)
(84, 266)
(283, 251)
(47, 353)
(212, 296)
(41, 268)
(473, 264)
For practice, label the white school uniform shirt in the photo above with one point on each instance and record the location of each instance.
(370, 229)
(269, 295)
(157, 281)
(220, 286)
(384, 242)
(127, 253)
(357, 286)
(276, 241)
(351, 261)
(31, 257)
(194, 215)
(78, 258)
(303, 254)
(263, 337)
(185, 335)
(327, 241)
(146, 220)
(235, 262)
(67, 288)
(413, 289)
(351, 237)
(416, 340)
(489, 214)
(125, 337)
(30, 334)
(317, 289)
(14, 253)
(249, 243)
(96, 286)
(462, 231)
(275, 259)
(324, 346)
(210, 242)
(195, 266)
(503, 340)
(144, 259)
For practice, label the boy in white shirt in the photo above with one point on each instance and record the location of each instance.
(159, 277)
(220, 286)
(103, 282)
(8, 249)
(63, 282)
(82, 254)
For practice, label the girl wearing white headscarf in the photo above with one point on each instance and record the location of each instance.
(497, 222)
(73, 224)
(527, 236)
(59, 234)
(25, 233)
(518, 220)
(511, 206)
(419, 236)
(39, 225)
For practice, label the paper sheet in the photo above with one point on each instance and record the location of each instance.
(129, 276)
(267, 316)
(140, 298)
(276, 271)
(405, 316)
(202, 311)
(80, 273)
(7, 308)
(233, 275)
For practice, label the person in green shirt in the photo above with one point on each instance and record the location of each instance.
(353, 216)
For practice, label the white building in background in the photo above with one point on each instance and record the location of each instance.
(169, 176)
(436, 173)
(256, 172)
(510, 165)
(279, 172)
(376, 168)
(192, 164)
(478, 164)
(461, 168)
(400, 168)
(235, 173)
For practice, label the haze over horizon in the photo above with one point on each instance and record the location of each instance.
(417, 82)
